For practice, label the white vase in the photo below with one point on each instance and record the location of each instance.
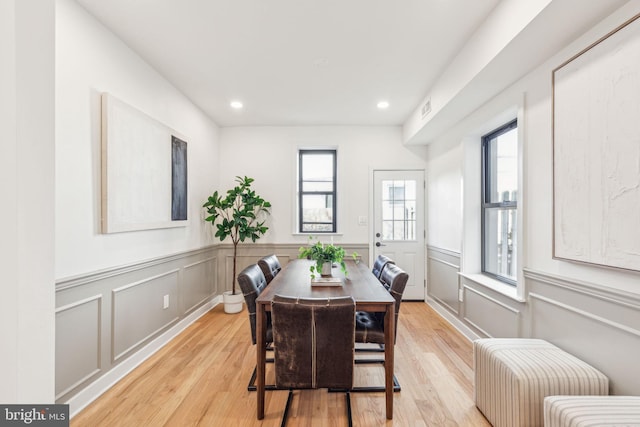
(326, 269)
(232, 302)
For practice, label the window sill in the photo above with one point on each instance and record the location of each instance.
(495, 285)
(296, 233)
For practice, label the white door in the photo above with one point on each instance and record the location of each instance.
(399, 233)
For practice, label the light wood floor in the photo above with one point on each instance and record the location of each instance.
(200, 378)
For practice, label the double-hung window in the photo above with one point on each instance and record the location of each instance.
(317, 191)
(499, 202)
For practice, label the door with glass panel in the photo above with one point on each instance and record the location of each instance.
(398, 228)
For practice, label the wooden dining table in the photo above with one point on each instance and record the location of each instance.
(359, 283)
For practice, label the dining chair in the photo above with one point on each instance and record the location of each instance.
(270, 266)
(252, 282)
(370, 326)
(314, 345)
(379, 264)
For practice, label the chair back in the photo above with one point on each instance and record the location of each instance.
(379, 264)
(395, 280)
(252, 282)
(314, 342)
(270, 266)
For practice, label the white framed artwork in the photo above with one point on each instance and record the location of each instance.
(596, 152)
(144, 171)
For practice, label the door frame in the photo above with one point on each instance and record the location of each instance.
(371, 228)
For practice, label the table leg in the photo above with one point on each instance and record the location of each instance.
(389, 346)
(260, 358)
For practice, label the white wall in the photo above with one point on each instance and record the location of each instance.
(269, 154)
(91, 60)
(27, 192)
(444, 197)
(445, 172)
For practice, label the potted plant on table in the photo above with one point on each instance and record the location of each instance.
(324, 256)
(239, 215)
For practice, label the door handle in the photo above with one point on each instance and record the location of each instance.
(378, 244)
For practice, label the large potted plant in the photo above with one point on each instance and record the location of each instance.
(324, 256)
(239, 215)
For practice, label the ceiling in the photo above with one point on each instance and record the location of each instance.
(297, 62)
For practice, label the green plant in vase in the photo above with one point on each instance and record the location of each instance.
(324, 256)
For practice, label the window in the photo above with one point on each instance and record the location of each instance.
(317, 191)
(499, 202)
(399, 210)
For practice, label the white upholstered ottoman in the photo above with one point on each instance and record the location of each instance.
(587, 411)
(514, 375)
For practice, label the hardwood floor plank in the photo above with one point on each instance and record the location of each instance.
(200, 379)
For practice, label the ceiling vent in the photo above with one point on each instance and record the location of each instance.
(426, 108)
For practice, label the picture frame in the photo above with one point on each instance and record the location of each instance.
(596, 152)
(144, 177)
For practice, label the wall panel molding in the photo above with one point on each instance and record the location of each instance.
(90, 277)
(443, 282)
(135, 301)
(586, 288)
(77, 366)
(583, 313)
(491, 317)
(197, 283)
(443, 251)
(131, 313)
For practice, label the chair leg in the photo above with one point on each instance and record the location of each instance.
(252, 381)
(286, 409)
(348, 399)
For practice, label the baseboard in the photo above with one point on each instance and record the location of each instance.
(90, 393)
(454, 321)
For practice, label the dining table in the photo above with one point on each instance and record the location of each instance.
(295, 280)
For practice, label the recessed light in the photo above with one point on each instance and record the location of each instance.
(236, 105)
(383, 105)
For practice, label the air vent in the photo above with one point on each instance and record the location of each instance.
(426, 108)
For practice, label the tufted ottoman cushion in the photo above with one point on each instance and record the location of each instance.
(584, 411)
(513, 376)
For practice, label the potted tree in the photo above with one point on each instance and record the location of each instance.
(239, 215)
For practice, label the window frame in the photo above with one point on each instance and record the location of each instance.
(334, 193)
(486, 203)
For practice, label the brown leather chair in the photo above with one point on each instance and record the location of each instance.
(314, 344)
(370, 326)
(379, 264)
(252, 282)
(270, 266)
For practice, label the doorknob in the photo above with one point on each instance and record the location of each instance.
(378, 244)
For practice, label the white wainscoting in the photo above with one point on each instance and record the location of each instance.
(596, 324)
(599, 325)
(110, 321)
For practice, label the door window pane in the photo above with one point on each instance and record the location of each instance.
(398, 210)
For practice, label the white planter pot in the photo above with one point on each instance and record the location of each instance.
(232, 303)
(326, 269)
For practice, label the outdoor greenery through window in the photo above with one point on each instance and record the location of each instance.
(499, 202)
(317, 191)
